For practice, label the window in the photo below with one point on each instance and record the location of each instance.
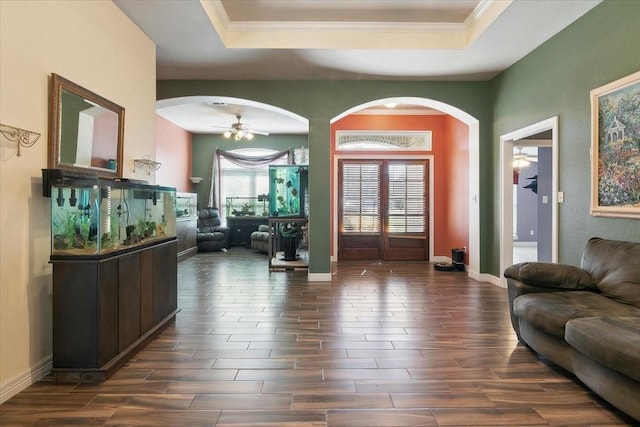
(361, 197)
(238, 181)
(381, 140)
(406, 198)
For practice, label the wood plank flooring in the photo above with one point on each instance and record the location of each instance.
(382, 344)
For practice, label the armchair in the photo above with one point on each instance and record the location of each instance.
(211, 235)
(260, 238)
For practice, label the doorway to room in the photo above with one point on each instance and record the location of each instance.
(383, 209)
(529, 194)
(454, 215)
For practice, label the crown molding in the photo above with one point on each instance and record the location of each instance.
(351, 35)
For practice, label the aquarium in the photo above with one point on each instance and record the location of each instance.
(93, 216)
(186, 206)
(247, 206)
(288, 191)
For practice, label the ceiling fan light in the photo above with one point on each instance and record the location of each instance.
(227, 134)
(249, 136)
(520, 162)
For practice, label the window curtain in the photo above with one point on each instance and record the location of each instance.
(245, 161)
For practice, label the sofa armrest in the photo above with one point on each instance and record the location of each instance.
(551, 275)
(530, 277)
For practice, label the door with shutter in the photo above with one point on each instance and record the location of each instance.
(405, 235)
(359, 210)
(383, 210)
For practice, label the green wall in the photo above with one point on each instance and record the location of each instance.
(556, 79)
(205, 145)
(321, 101)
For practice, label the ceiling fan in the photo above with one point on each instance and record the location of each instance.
(241, 131)
(522, 159)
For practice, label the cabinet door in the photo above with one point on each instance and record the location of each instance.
(75, 298)
(146, 291)
(165, 296)
(128, 300)
(108, 311)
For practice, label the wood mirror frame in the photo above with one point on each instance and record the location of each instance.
(86, 131)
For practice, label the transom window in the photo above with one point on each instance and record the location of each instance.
(381, 140)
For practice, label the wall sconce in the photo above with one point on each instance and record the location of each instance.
(147, 163)
(24, 138)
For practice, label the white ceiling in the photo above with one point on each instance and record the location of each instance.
(335, 40)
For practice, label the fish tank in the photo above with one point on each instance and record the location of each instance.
(91, 216)
(247, 206)
(288, 191)
(186, 206)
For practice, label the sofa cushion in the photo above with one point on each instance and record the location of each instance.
(612, 341)
(203, 237)
(615, 268)
(551, 275)
(550, 311)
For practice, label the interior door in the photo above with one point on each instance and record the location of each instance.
(383, 210)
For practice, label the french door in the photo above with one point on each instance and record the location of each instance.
(383, 210)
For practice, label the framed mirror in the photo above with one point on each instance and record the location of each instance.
(86, 131)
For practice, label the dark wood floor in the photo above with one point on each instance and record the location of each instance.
(383, 344)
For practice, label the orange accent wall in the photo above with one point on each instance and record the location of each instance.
(457, 182)
(450, 169)
(173, 150)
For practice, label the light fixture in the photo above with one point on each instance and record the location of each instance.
(520, 160)
(195, 180)
(240, 131)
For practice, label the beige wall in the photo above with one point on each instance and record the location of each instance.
(173, 149)
(95, 45)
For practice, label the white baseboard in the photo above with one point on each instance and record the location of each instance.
(485, 277)
(517, 243)
(24, 380)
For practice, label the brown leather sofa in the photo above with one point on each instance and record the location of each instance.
(587, 319)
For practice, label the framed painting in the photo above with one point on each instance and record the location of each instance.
(615, 148)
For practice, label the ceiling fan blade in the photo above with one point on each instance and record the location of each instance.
(259, 132)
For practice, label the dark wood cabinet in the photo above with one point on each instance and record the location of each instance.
(186, 224)
(105, 309)
(186, 231)
(241, 227)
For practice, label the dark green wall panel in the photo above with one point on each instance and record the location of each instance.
(321, 101)
(556, 79)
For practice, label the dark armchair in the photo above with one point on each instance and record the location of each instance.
(211, 235)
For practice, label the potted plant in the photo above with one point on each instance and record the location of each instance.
(290, 233)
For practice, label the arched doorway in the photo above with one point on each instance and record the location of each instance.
(472, 197)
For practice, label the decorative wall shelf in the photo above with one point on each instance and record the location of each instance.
(24, 138)
(148, 164)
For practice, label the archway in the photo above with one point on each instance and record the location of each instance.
(473, 166)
